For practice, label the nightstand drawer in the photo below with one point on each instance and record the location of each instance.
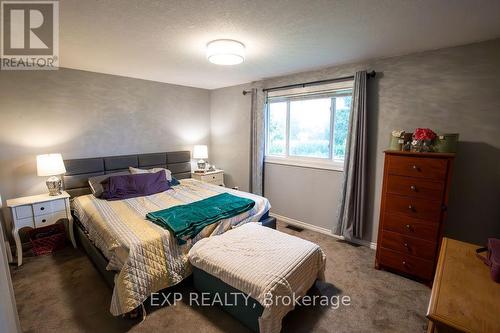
(25, 223)
(48, 207)
(23, 212)
(215, 179)
(48, 219)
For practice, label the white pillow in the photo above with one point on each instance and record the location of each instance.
(154, 170)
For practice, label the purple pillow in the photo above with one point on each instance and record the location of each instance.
(134, 185)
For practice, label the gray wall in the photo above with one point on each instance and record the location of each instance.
(449, 90)
(230, 133)
(304, 194)
(84, 114)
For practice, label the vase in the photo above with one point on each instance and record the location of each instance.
(395, 143)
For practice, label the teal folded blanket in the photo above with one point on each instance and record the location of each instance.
(186, 221)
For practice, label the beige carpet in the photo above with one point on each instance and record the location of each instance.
(65, 293)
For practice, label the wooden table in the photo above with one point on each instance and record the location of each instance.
(464, 298)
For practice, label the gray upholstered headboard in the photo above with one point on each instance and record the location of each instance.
(78, 171)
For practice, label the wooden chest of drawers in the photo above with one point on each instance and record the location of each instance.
(412, 213)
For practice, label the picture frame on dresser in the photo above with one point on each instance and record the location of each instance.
(413, 211)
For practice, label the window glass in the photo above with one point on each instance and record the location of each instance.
(341, 126)
(276, 137)
(310, 127)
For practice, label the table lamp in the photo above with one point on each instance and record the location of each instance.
(200, 152)
(51, 165)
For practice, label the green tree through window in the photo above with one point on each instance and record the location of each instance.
(309, 127)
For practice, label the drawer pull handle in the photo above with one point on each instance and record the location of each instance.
(42, 208)
(408, 226)
(414, 167)
(406, 245)
(410, 207)
(413, 188)
(44, 220)
(404, 262)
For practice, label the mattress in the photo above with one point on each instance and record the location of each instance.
(146, 257)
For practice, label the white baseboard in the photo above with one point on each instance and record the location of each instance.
(320, 230)
(301, 224)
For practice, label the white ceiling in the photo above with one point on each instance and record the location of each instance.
(165, 40)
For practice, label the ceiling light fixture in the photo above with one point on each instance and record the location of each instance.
(225, 52)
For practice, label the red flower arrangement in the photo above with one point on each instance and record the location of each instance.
(424, 134)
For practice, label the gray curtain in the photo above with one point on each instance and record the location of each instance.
(257, 141)
(352, 208)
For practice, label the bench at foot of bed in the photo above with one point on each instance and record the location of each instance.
(239, 305)
(251, 270)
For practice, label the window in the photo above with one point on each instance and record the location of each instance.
(277, 129)
(308, 128)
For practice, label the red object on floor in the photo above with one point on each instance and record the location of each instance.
(47, 239)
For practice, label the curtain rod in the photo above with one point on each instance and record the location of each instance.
(302, 85)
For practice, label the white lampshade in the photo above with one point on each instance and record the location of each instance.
(200, 151)
(225, 52)
(50, 165)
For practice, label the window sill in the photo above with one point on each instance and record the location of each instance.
(303, 163)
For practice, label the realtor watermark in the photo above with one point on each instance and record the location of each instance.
(333, 302)
(29, 35)
(241, 299)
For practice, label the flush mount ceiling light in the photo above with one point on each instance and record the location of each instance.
(225, 52)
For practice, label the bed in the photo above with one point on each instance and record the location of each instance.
(136, 256)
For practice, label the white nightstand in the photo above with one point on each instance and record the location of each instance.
(38, 211)
(213, 177)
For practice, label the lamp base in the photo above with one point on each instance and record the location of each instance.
(54, 185)
(202, 165)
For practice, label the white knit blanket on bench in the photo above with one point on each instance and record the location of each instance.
(263, 263)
